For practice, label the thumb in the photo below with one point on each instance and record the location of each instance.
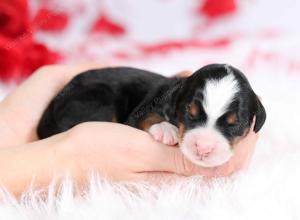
(184, 73)
(172, 160)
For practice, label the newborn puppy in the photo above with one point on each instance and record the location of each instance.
(205, 113)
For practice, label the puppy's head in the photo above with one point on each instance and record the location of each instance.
(215, 107)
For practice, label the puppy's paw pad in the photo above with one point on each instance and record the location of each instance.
(165, 133)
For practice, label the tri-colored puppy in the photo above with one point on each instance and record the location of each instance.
(204, 113)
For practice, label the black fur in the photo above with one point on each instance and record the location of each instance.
(245, 104)
(129, 95)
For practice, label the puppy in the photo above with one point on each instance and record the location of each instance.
(205, 113)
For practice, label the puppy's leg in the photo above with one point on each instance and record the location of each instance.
(160, 129)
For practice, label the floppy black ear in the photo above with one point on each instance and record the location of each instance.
(260, 114)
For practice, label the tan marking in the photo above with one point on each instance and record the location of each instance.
(194, 109)
(114, 119)
(237, 139)
(150, 120)
(179, 115)
(231, 119)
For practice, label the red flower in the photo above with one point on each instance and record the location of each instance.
(38, 55)
(19, 54)
(216, 8)
(11, 60)
(105, 25)
(14, 19)
(48, 20)
(20, 58)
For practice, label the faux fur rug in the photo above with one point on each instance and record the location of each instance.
(270, 189)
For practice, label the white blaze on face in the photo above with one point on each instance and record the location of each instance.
(205, 145)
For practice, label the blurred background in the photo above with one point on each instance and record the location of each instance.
(260, 37)
(160, 35)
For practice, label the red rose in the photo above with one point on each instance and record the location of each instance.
(11, 60)
(14, 19)
(38, 55)
(20, 58)
(48, 20)
(19, 54)
(216, 8)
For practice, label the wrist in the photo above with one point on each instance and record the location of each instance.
(72, 160)
(35, 165)
(51, 161)
(7, 134)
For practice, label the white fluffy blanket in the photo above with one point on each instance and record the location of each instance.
(270, 189)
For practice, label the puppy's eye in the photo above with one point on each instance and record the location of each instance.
(231, 119)
(193, 109)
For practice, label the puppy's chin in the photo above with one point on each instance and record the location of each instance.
(220, 154)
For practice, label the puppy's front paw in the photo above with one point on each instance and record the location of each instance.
(165, 133)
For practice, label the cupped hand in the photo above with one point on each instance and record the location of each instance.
(117, 151)
(124, 153)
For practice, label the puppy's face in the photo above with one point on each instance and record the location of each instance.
(215, 107)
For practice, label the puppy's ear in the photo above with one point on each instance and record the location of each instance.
(260, 114)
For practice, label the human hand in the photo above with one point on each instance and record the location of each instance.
(117, 151)
(21, 110)
(139, 156)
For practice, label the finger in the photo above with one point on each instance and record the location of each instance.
(184, 73)
(138, 150)
(249, 147)
(47, 81)
(224, 170)
(248, 139)
(244, 149)
(146, 154)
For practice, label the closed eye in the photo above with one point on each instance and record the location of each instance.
(193, 110)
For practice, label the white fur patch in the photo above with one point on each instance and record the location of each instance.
(218, 94)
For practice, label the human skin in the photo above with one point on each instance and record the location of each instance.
(90, 146)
